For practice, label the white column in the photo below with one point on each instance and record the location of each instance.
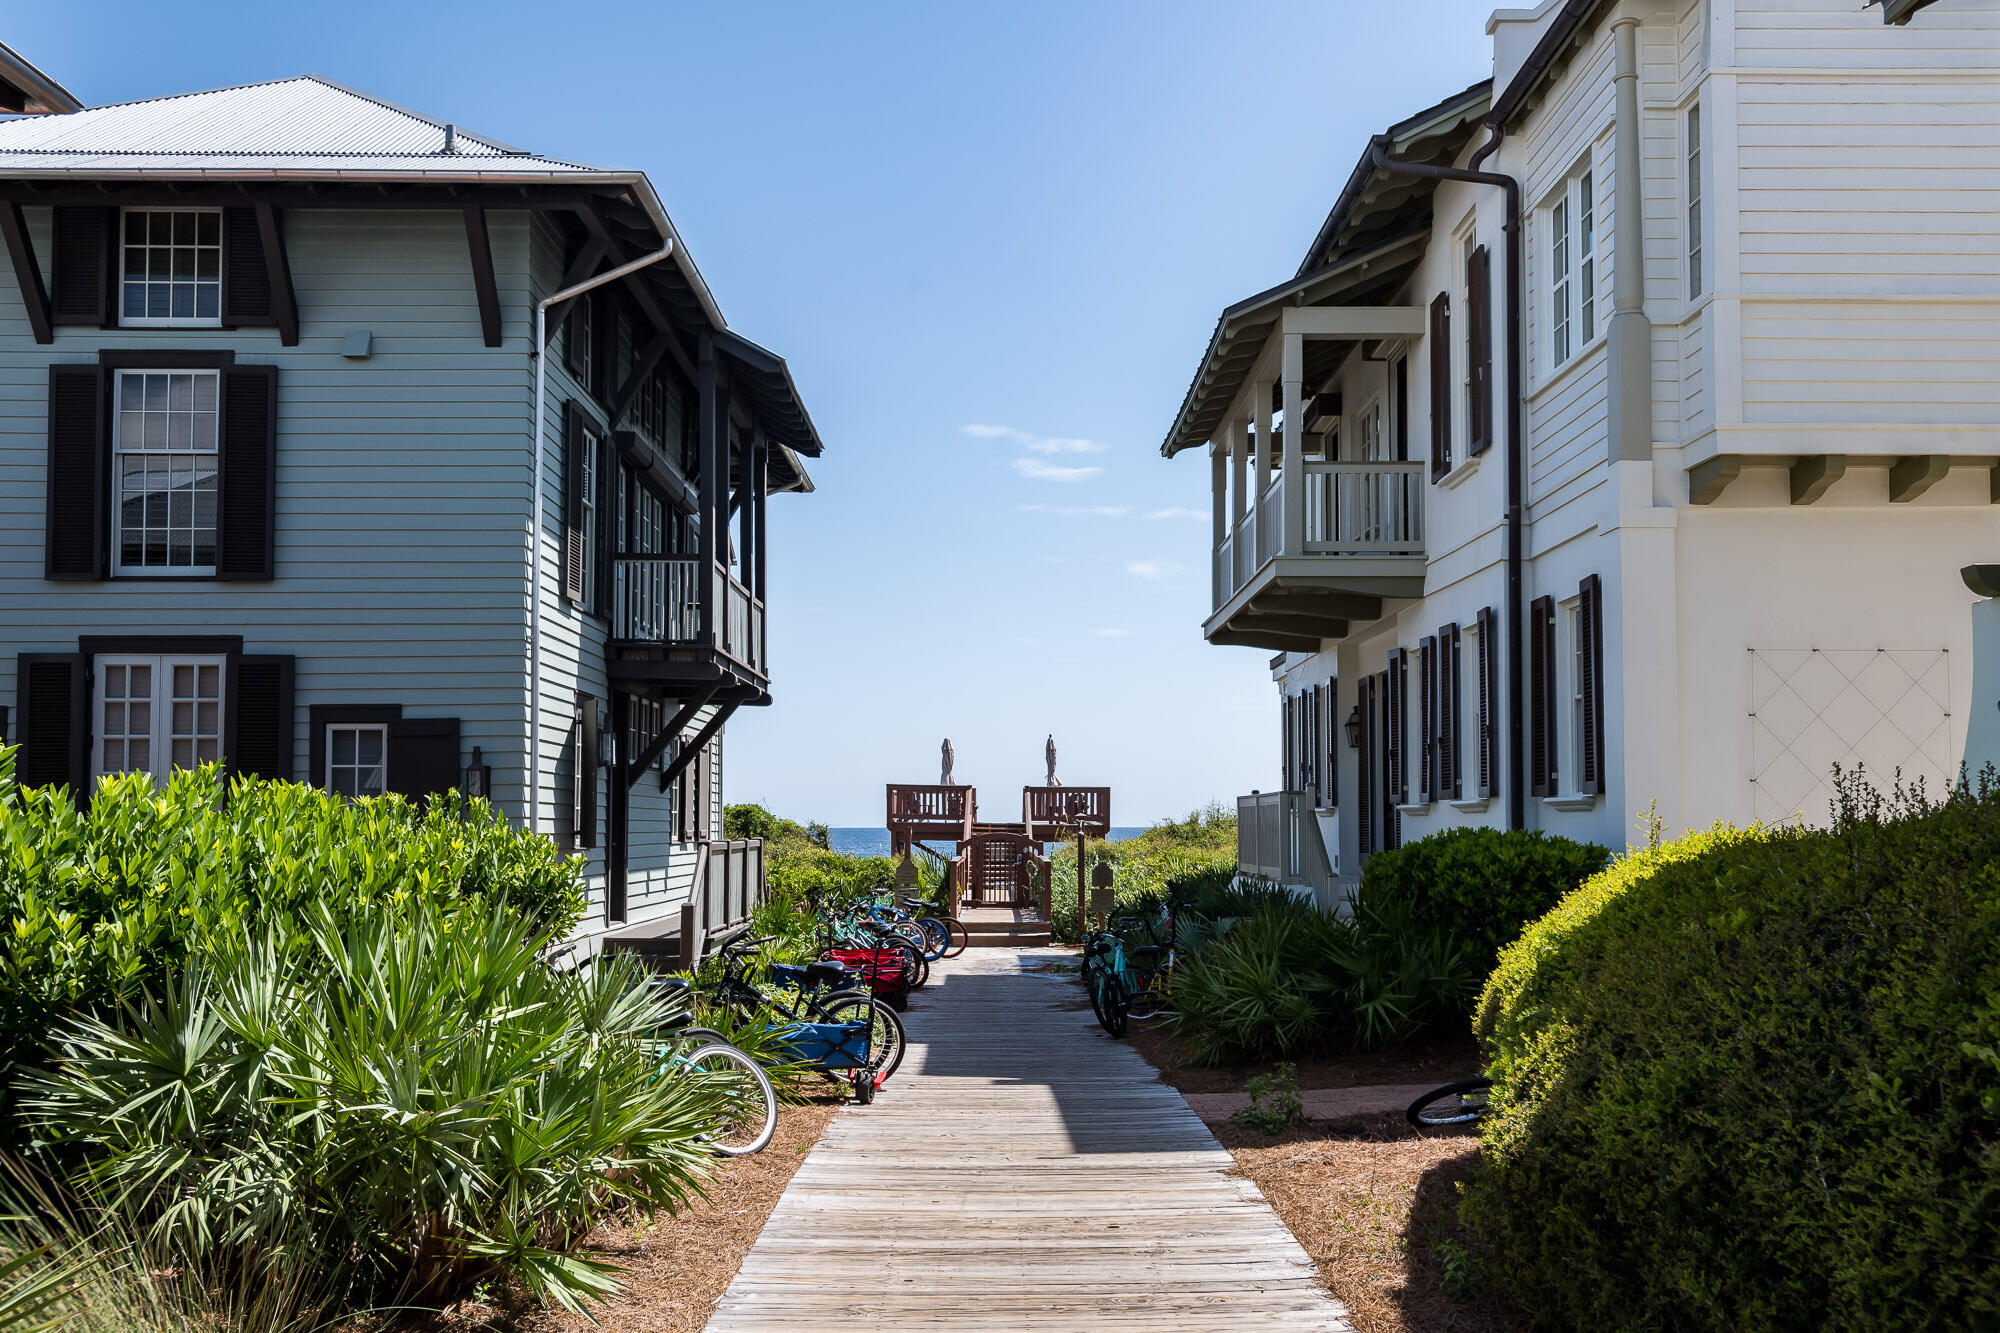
(1629, 336)
(1239, 466)
(1293, 496)
(1260, 475)
(1218, 464)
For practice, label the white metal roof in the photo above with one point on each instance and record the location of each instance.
(306, 125)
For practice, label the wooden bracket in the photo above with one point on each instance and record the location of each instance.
(34, 293)
(481, 246)
(1709, 478)
(1813, 473)
(658, 745)
(1916, 474)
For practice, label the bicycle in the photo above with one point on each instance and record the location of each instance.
(823, 996)
(1106, 978)
(1460, 1103)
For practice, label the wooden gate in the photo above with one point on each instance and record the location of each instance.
(999, 869)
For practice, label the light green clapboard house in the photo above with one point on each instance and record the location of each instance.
(272, 489)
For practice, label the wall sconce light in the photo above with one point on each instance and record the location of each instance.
(478, 777)
(1353, 728)
(607, 740)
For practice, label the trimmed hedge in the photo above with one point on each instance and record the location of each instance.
(104, 904)
(1748, 1080)
(1484, 883)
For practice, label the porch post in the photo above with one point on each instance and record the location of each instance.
(1239, 464)
(1260, 417)
(1293, 494)
(713, 423)
(760, 462)
(1218, 470)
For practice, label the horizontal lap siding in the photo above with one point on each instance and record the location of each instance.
(1825, 361)
(400, 484)
(1843, 34)
(1566, 426)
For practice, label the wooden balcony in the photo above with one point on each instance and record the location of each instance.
(671, 625)
(1050, 814)
(1360, 541)
(930, 813)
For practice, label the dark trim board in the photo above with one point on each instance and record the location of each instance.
(217, 645)
(162, 358)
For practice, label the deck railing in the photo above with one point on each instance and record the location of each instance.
(1055, 812)
(934, 810)
(1351, 509)
(1278, 840)
(657, 599)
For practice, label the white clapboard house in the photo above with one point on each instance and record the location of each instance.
(275, 489)
(1621, 435)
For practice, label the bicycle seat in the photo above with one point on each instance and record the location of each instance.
(826, 974)
(789, 974)
(669, 986)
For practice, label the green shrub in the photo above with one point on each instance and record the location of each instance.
(404, 1105)
(102, 904)
(1486, 883)
(1185, 857)
(1291, 976)
(1275, 1105)
(1747, 1080)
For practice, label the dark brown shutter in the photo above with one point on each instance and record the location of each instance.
(607, 520)
(246, 281)
(574, 330)
(246, 532)
(1440, 340)
(1450, 768)
(1286, 766)
(1330, 780)
(257, 722)
(1541, 697)
(423, 756)
(1488, 734)
(1479, 351)
(84, 259)
(1590, 627)
(75, 541)
(575, 440)
(1427, 719)
(1395, 732)
(53, 696)
(1365, 784)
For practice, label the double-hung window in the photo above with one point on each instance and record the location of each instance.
(166, 469)
(592, 459)
(157, 714)
(357, 758)
(171, 267)
(1694, 201)
(1573, 689)
(1572, 275)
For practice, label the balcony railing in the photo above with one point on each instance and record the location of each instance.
(1057, 812)
(925, 811)
(1355, 510)
(657, 599)
(1278, 840)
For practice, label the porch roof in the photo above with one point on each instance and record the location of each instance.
(1364, 252)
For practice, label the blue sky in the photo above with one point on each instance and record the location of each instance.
(992, 240)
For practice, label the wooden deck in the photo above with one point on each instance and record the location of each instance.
(1021, 1170)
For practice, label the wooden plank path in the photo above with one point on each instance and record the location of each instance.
(1021, 1170)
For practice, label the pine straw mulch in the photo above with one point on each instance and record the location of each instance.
(676, 1268)
(1372, 1201)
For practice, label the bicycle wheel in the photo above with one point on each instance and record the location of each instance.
(747, 1104)
(959, 936)
(1107, 1000)
(886, 1038)
(1460, 1103)
(862, 1082)
(1149, 998)
(936, 938)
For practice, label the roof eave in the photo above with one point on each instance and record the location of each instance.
(45, 90)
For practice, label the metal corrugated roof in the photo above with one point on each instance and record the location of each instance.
(296, 121)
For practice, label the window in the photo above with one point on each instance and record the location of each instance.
(1468, 246)
(1694, 201)
(164, 442)
(1576, 669)
(1572, 233)
(357, 758)
(580, 343)
(172, 267)
(157, 714)
(592, 457)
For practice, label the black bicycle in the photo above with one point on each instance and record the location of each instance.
(1460, 1103)
(805, 993)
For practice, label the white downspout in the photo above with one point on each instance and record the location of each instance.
(535, 541)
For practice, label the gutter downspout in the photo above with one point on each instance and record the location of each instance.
(1517, 792)
(540, 353)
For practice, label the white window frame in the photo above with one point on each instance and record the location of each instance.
(1572, 242)
(161, 730)
(214, 321)
(1569, 679)
(1459, 445)
(591, 503)
(379, 729)
(121, 450)
(1691, 128)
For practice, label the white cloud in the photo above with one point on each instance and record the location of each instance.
(1036, 444)
(1112, 633)
(1176, 511)
(1150, 569)
(1034, 469)
(1077, 511)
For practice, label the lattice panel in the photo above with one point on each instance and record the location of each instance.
(1812, 708)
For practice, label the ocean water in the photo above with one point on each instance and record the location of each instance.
(875, 841)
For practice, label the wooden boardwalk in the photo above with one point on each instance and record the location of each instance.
(1021, 1171)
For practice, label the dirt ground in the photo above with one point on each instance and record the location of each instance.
(676, 1268)
(1372, 1201)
